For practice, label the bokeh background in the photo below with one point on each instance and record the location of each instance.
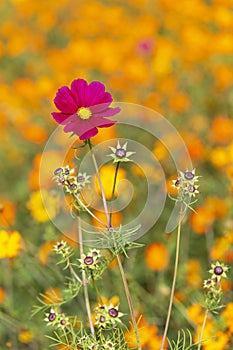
(172, 56)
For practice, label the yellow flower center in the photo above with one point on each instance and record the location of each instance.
(84, 113)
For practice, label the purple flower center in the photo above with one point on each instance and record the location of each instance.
(63, 322)
(66, 172)
(113, 312)
(84, 113)
(189, 175)
(73, 186)
(51, 316)
(94, 253)
(60, 245)
(218, 270)
(58, 171)
(80, 178)
(191, 189)
(120, 152)
(177, 183)
(61, 179)
(88, 260)
(102, 319)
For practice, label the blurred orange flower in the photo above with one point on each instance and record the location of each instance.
(2, 295)
(44, 251)
(116, 218)
(202, 220)
(157, 256)
(52, 295)
(7, 213)
(228, 316)
(193, 275)
(25, 337)
(147, 335)
(221, 130)
(34, 133)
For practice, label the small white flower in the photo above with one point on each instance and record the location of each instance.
(120, 153)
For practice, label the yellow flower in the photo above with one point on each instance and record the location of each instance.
(10, 244)
(40, 212)
(107, 176)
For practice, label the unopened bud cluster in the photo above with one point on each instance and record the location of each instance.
(63, 249)
(90, 342)
(186, 184)
(72, 183)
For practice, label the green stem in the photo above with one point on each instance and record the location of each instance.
(109, 219)
(84, 280)
(113, 192)
(96, 289)
(74, 273)
(202, 330)
(100, 181)
(130, 302)
(173, 286)
(89, 211)
(127, 292)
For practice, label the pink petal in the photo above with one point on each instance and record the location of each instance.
(108, 112)
(64, 101)
(99, 107)
(95, 93)
(107, 98)
(78, 89)
(89, 134)
(59, 117)
(100, 122)
(79, 127)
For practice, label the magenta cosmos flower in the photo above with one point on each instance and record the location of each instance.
(84, 108)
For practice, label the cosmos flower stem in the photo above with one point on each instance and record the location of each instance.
(113, 192)
(130, 303)
(84, 280)
(173, 283)
(75, 274)
(127, 292)
(202, 330)
(100, 181)
(96, 289)
(90, 212)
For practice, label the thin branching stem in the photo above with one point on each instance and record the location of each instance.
(75, 274)
(173, 285)
(109, 219)
(84, 280)
(113, 192)
(202, 330)
(89, 211)
(100, 181)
